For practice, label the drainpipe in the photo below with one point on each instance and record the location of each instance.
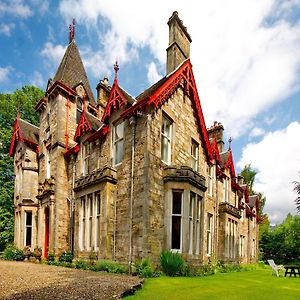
(132, 122)
(72, 204)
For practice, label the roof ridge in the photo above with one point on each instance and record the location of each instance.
(28, 123)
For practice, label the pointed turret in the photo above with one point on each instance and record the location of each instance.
(71, 70)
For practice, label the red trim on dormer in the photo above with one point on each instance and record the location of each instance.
(71, 151)
(19, 137)
(83, 126)
(215, 151)
(229, 164)
(115, 101)
(100, 134)
(61, 85)
(184, 77)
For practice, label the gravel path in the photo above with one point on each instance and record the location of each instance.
(24, 280)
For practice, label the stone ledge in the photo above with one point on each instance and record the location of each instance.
(97, 176)
(225, 207)
(184, 174)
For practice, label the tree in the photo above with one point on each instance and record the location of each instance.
(249, 176)
(26, 98)
(297, 190)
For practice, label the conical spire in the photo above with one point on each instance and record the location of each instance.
(71, 70)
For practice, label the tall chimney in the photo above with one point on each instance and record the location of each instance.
(217, 131)
(179, 43)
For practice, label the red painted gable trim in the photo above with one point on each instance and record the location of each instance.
(58, 83)
(71, 151)
(115, 101)
(215, 151)
(83, 126)
(18, 136)
(100, 134)
(182, 76)
(230, 165)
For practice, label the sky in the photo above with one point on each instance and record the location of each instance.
(245, 57)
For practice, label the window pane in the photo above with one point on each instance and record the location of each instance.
(164, 149)
(119, 131)
(176, 207)
(119, 152)
(176, 230)
(28, 218)
(28, 236)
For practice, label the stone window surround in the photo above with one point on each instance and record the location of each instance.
(187, 189)
(117, 141)
(194, 155)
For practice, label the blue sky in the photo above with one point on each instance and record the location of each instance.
(245, 56)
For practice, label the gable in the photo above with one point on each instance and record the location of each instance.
(161, 91)
(117, 98)
(26, 133)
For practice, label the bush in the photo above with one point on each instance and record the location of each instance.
(172, 263)
(51, 256)
(66, 257)
(13, 253)
(144, 269)
(81, 264)
(109, 266)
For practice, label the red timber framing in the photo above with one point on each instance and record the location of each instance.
(83, 126)
(215, 151)
(184, 77)
(229, 164)
(100, 134)
(115, 101)
(18, 136)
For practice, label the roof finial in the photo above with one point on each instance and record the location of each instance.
(229, 141)
(72, 31)
(116, 68)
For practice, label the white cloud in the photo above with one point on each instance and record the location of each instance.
(243, 63)
(6, 29)
(153, 75)
(15, 8)
(41, 5)
(53, 53)
(4, 73)
(38, 80)
(256, 132)
(277, 160)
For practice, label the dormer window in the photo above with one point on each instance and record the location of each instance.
(118, 143)
(166, 133)
(225, 190)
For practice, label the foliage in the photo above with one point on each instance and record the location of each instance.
(51, 256)
(256, 284)
(249, 176)
(297, 190)
(81, 264)
(171, 263)
(13, 253)
(109, 266)
(28, 97)
(66, 256)
(144, 269)
(282, 243)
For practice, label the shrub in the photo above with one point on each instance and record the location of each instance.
(81, 264)
(109, 266)
(171, 263)
(51, 256)
(66, 257)
(13, 253)
(144, 269)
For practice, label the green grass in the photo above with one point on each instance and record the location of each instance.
(258, 285)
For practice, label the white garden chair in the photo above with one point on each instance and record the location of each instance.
(276, 269)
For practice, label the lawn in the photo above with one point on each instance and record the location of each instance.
(256, 284)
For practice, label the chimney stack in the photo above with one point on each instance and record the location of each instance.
(179, 43)
(217, 131)
(103, 90)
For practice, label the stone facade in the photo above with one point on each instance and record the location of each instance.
(125, 178)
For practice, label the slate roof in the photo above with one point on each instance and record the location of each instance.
(29, 132)
(94, 122)
(71, 70)
(252, 200)
(224, 157)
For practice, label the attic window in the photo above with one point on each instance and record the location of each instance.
(166, 134)
(118, 141)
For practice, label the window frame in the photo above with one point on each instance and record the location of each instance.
(166, 120)
(209, 234)
(117, 141)
(28, 227)
(180, 215)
